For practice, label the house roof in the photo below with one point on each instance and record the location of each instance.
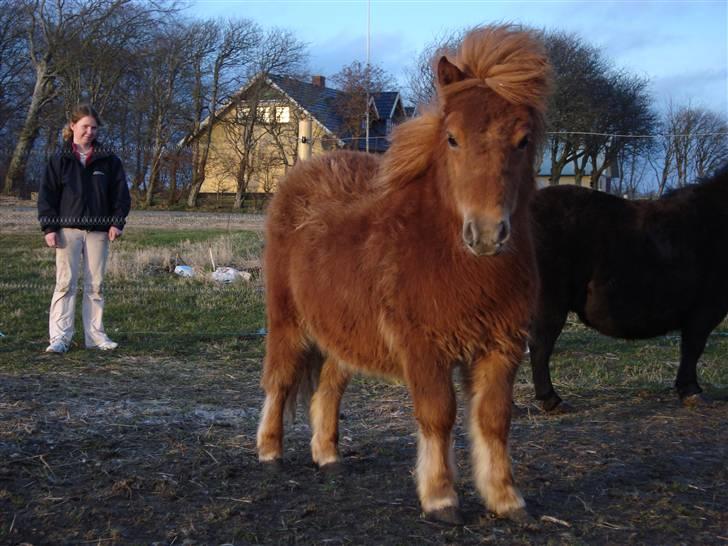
(318, 102)
(385, 103)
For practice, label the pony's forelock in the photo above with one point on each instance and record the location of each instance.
(508, 59)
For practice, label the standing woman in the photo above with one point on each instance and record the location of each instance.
(82, 205)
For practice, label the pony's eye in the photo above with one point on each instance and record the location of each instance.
(451, 141)
(523, 143)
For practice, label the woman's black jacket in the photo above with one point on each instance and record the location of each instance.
(94, 197)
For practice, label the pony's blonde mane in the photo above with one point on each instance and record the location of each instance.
(508, 59)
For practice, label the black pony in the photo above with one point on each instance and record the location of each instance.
(631, 269)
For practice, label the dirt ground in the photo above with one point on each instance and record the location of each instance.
(160, 450)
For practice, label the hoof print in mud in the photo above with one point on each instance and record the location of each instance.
(696, 400)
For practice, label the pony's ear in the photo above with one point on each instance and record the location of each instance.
(448, 73)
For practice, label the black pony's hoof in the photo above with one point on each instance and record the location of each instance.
(696, 400)
(556, 406)
(450, 515)
(562, 409)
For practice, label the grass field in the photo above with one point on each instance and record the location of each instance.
(155, 442)
(149, 308)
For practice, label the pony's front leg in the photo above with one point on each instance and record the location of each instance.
(490, 419)
(433, 397)
(324, 413)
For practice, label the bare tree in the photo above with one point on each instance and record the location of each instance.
(166, 70)
(420, 76)
(623, 117)
(14, 61)
(57, 33)
(693, 143)
(711, 143)
(234, 41)
(281, 53)
(358, 82)
(578, 70)
(699, 142)
(15, 76)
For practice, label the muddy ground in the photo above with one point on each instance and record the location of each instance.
(119, 449)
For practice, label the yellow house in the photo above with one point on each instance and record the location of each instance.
(260, 133)
(568, 176)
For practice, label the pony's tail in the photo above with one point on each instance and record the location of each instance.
(305, 387)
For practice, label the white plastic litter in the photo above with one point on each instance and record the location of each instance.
(184, 271)
(230, 274)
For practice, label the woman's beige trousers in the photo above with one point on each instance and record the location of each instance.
(76, 247)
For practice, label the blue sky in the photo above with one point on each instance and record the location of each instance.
(681, 47)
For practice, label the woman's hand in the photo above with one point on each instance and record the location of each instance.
(51, 239)
(114, 233)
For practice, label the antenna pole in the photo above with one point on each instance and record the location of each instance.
(368, 71)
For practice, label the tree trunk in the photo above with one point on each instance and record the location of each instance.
(173, 165)
(156, 162)
(558, 163)
(579, 170)
(243, 178)
(42, 93)
(192, 196)
(198, 171)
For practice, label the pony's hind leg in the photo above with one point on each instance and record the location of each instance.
(433, 398)
(490, 419)
(324, 412)
(286, 356)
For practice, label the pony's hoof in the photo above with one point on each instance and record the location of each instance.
(273, 466)
(696, 400)
(450, 515)
(332, 469)
(521, 517)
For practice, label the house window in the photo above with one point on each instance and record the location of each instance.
(283, 114)
(389, 125)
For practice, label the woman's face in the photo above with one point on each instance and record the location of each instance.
(84, 130)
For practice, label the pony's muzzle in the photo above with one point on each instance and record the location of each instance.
(486, 238)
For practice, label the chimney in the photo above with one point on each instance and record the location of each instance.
(318, 81)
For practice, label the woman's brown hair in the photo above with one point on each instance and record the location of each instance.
(81, 111)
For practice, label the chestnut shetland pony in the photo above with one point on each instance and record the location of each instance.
(415, 264)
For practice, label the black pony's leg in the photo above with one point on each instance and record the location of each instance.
(692, 344)
(545, 330)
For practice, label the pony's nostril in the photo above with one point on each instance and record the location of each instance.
(470, 234)
(503, 231)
